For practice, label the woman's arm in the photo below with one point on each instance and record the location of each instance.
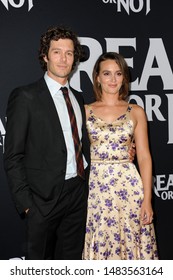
(144, 162)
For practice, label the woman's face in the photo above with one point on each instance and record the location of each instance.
(110, 77)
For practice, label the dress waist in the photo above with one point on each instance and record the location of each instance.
(111, 161)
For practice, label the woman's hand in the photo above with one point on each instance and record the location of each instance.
(146, 213)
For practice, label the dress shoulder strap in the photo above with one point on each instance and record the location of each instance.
(89, 108)
(129, 108)
(127, 115)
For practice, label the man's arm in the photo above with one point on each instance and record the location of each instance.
(15, 146)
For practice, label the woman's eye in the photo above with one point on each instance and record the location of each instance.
(106, 74)
(119, 73)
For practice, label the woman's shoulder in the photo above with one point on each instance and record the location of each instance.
(136, 108)
(137, 111)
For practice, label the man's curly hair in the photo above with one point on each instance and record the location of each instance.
(56, 33)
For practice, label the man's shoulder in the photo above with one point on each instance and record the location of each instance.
(35, 84)
(30, 87)
(28, 91)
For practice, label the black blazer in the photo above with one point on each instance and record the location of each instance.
(35, 152)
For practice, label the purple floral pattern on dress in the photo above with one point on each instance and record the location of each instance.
(114, 229)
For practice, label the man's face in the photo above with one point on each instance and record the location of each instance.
(60, 59)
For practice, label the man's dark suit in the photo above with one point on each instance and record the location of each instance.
(35, 152)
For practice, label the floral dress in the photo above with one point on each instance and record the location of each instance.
(114, 230)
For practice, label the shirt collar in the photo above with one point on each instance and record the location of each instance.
(53, 86)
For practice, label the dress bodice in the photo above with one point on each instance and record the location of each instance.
(110, 141)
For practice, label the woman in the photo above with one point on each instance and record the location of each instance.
(119, 223)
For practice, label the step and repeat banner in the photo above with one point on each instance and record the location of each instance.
(141, 30)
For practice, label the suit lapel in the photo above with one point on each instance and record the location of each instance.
(49, 108)
(80, 101)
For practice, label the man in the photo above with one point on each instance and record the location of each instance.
(39, 156)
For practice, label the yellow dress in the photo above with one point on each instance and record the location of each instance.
(114, 230)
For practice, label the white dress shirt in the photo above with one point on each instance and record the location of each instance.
(60, 104)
